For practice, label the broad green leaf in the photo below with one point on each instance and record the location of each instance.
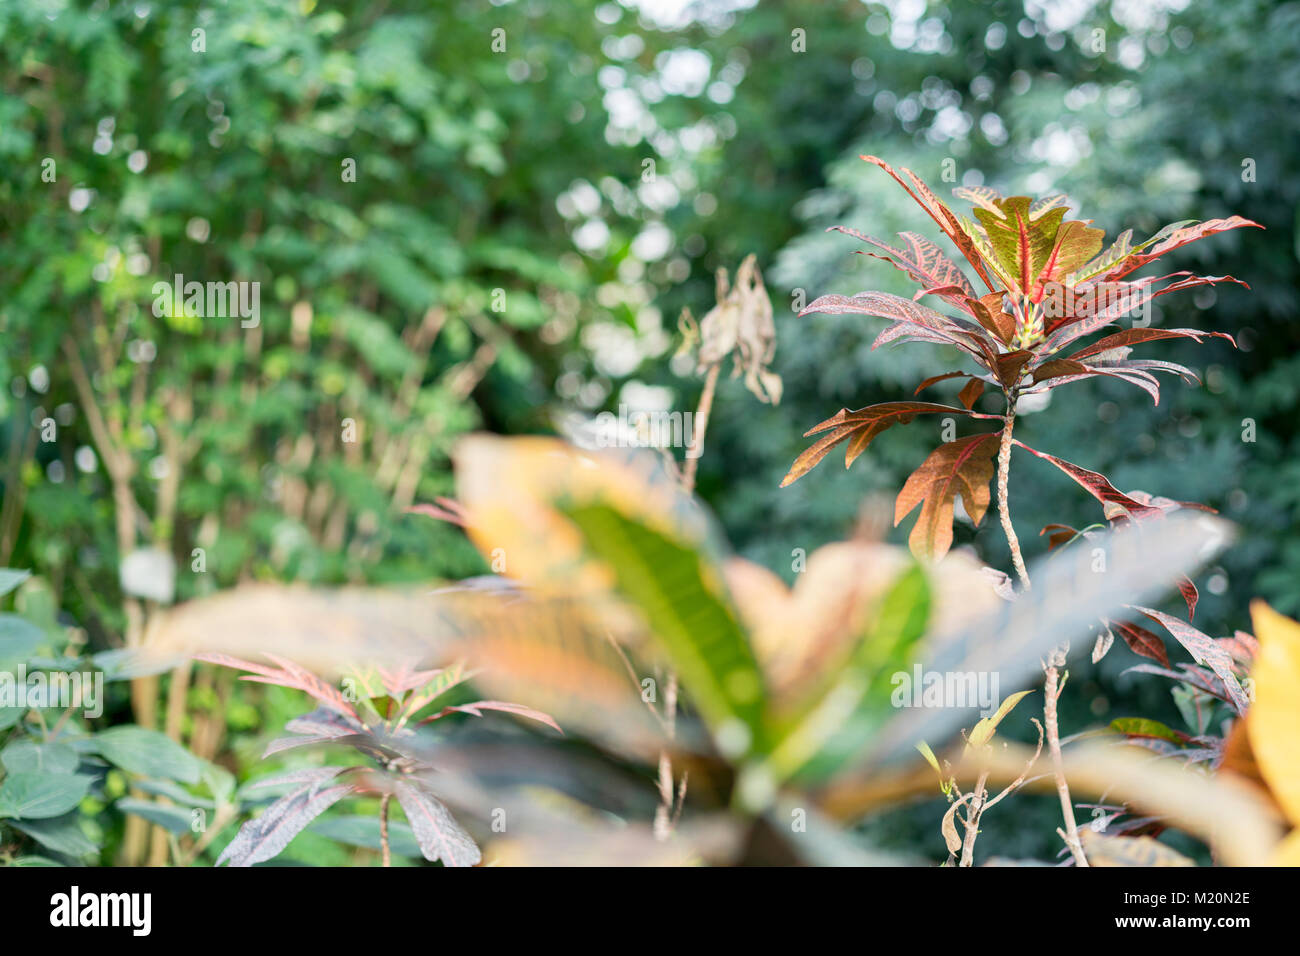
(39, 795)
(148, 753)
(1022, 245)
(173, 819)
(10, 578)
(681, 599)
(19, 637)
(858, 701)
(363, 831)
(61, 834)
(28, 756)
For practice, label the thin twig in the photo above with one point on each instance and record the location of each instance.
(1052, 691)
(383, 828)
(972, 821)
(701, 426)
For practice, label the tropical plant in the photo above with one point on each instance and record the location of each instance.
(376, 716)
(617, 577)
(1049, 284)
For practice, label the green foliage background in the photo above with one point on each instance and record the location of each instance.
(554, 205)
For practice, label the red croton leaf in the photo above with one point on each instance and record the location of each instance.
(1077, 316)
(924, 197)
(861, 425)
(1187, 588)
(1100, 488)
(1010, 365)
(988, 311)
(1166, 240)
(921, 259)
(1063, 371)
(911, 321)
(964, 467)
(1137, 336)
(971, 392)
(1206, 651)
(1058, 534)
(936, 379)
(1142, 642)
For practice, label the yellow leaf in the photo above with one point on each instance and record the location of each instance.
(1275, 715)
(1128, 851)
(983, 731)
(1288, 851)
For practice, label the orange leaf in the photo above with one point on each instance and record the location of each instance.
(964, 467)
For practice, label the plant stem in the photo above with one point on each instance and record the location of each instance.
(1052, 687)
(973, 813)
(1004, 509)
(1052, 691)
(383, 828)
(664, 815)
(701, 425)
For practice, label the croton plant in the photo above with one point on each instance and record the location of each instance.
(1050, 283)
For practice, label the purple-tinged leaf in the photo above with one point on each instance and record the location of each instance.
(1060, 372)
(315, 776)
(1121, 299)
(909, 319)
(323, 722)
(1166, 240)
(1197, 677)
(1241, 646)
(1205, 651)
(519, 710)
(1187, 588)
(266, 837)
(281, 744)
(924, 197)
(920, 258)
(1137, 336)
(1097, 486)
(436, 830)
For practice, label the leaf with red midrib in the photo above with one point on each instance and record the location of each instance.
(964, 467)
(1167, 240)
(1206, 652)
(1098, 486)
(1137, 336)
(863, 424)
(920, 258)
(1140, 641)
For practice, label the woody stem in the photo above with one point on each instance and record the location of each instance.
(1004, 509)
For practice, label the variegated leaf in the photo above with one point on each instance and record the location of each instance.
(964, 467)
